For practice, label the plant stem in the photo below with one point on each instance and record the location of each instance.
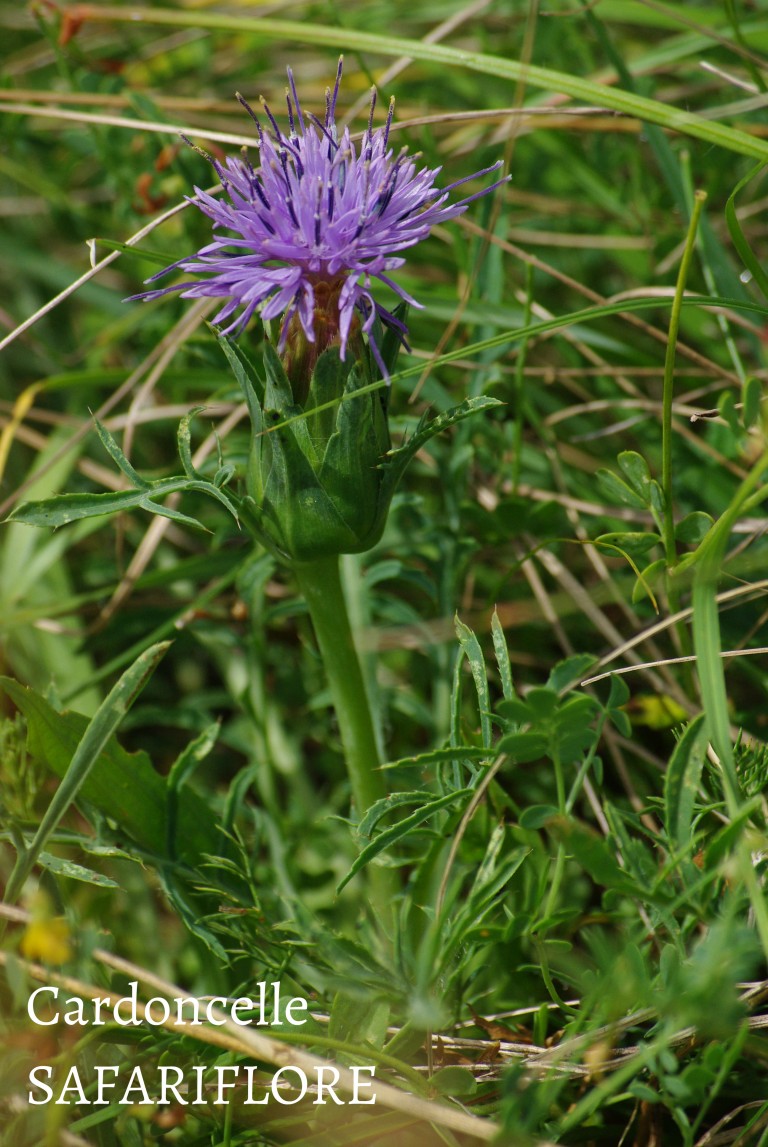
(669, 381)
(320, 583)
(559, 869)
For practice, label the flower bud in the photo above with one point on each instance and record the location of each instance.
(321, 471)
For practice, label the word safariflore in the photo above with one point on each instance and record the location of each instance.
(201, 1086)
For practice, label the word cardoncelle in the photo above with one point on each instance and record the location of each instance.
(268, 1007)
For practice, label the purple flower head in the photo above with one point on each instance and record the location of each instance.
(304, 234)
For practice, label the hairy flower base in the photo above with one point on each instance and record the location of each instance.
(299, 354)
(321, 476)
(307, 232)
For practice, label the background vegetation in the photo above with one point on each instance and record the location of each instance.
(582, 933)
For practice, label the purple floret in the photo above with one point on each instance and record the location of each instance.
(318, 217)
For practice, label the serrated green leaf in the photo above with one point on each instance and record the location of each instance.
(189, 912)
(380, 808)
(74, 871)
(502, 656)
(204, 487)
(397, 460)
(474, 655)
(438, 756)
(184, 442)
(66, 508)
(118, 457)
(390, 835)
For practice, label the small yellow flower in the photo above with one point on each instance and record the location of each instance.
(657, 711)
(47, 937)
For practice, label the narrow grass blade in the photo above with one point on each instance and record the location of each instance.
(738, 238)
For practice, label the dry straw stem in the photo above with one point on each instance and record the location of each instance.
(158, 127)
(756, 587)
(539, 117)
(671, 661)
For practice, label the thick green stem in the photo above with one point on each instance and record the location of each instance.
(320, 583)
